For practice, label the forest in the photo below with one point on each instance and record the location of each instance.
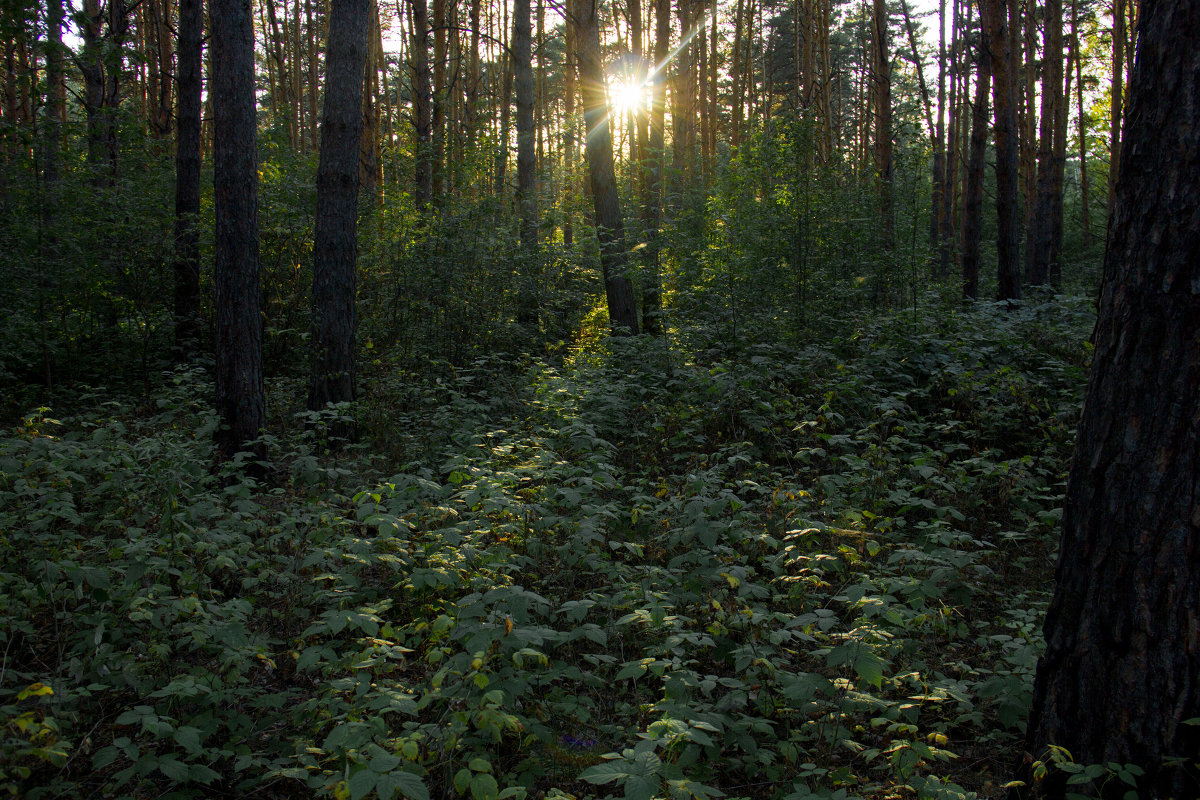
(562, 399)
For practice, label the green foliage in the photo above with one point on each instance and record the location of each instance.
(813, 570)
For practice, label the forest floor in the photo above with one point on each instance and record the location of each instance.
(685, 567)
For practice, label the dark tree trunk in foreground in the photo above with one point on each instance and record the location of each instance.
(187, 180)
(1121, 673)
(335, 241)
(235, 182)
(610, 228)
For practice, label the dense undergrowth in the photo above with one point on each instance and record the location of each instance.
(812, 569)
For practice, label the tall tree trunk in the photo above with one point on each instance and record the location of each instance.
(1059, 152)
(973, 192)
(1027, 124)
(313, 83)
(474, 78)
(1117, 107)
(998, 33)
(240, 403)
(1085, 217)
(187, 180)
(570, 146)
(927, 105)
(1120, 679)
(369, 157)
(335, 240)
(940, 211)
(50, 157)
(506, 102)
(610, 227)
(881, 81)
(527, 305)
(652, 204)
(422, 101)
(441, 96)
(1039, 252)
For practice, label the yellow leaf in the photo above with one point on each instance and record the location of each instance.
(35, 690)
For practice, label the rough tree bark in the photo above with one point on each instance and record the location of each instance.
(1121, 675)
(1039, 250)
(881, 82)
(998, 35)
(973, 192)
(239, 378)
(187, 179)
(422, 101)
(610, 228)
(656, 169)
(335, 238)
(527, 308)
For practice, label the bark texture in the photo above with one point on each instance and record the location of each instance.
(335, 244)
(187, 180)
(236, 268)
(998, 32)
(610, 228)
(1121, 671)
(527, 308)
(973, 192)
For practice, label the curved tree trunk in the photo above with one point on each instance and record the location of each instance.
(1120, 680)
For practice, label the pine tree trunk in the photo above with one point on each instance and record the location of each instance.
(653, 201)
(1116, 110)
(973, 192)
(187, 180)
(1120, 679)
(1085, 217)
(422, 101)
(523, 80)
(998, 32)
(1040, 251)
(610, 227)
(335, 240)
(239, 374)
(881, 77)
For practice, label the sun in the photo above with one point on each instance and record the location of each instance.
(628, 94)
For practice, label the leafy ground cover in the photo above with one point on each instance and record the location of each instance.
(803, 569)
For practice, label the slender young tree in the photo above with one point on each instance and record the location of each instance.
(335, 246)
(973, 192)
(239, 379)
(1120, 679)
(610, 227)
(187, 179)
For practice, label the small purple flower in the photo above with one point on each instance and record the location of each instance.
(578, 743)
